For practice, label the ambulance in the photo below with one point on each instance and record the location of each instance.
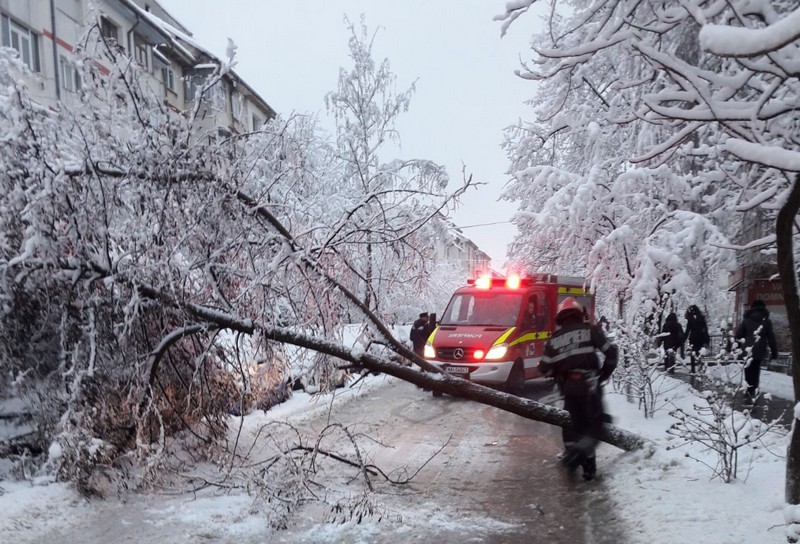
(494, 329)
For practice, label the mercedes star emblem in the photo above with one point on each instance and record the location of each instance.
(458, 353)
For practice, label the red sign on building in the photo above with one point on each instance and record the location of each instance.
(769, 291)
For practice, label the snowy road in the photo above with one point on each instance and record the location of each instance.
(495, 481)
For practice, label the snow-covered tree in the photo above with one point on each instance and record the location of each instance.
(644, 229)
(131, 249)
(700, 95)
(388, 207)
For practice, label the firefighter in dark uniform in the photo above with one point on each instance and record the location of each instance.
(570, 356)
(420, 331)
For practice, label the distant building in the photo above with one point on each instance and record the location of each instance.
(460, 251)
(46, 32)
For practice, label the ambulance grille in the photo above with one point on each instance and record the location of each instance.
(448, 354)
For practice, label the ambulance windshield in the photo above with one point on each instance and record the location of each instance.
(483, 309)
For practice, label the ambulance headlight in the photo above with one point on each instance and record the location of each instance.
(497, 352)
(429, 352)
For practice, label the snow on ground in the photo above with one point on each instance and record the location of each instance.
(663, 496)
(668, 496)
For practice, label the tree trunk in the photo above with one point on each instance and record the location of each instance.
(784, 233)
(456, 387)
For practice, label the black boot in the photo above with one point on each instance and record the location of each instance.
(589, 468)
(572, 458)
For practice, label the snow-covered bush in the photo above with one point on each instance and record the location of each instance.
(640, 372)
(717, 423)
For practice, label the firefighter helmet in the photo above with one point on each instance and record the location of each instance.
(569, 307)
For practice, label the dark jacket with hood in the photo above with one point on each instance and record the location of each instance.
(696, 328)
(756, 330)
(671, 336)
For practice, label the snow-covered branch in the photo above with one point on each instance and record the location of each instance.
(772, 156)
(731, 41)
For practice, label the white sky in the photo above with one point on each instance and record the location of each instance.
(291, 51)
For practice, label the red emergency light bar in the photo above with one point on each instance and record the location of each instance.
(511, 282)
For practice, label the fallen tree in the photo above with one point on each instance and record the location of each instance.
(429, 377)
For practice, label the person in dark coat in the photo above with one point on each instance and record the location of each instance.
(602, 325)
(570, 356)
(696, 334)
(756, 332)
(671, 339)
(419, 334)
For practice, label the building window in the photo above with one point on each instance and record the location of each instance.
(257, 122)
(109, 30)
(168, 75)
(236, 105)
(219, 98)
(196, 81)
(140, 52)
(70, 78)
(189, 87)
(25, 42)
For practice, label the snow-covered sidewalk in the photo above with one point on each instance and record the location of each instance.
(668, 496)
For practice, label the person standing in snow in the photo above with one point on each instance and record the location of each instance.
(696, 334)
(671, 339)
(570, 356)
(756, 332)
(419, 334)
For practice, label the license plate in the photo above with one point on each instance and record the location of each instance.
(459, 371)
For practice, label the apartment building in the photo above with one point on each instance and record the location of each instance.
(46, 32)
(460, 251)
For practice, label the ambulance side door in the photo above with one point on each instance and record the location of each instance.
(537, 325)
